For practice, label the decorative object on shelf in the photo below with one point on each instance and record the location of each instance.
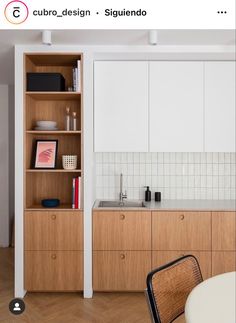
(45, 154)
(69, 161)
(147, 194)
(74, 121)
(50, 202)
(158, 196)
(67, 119)
(44, 82)
(46, 125)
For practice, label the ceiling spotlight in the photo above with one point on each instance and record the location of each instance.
(153, 37)
(47, 37)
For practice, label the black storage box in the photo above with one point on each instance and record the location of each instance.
(53, 82)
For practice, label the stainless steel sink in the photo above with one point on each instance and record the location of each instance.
(119, 204)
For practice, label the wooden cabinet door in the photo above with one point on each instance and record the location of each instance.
(53, 271)
(223, 261)
(117, 230)
(220, 106)
(53, 230)
(176, 106)
(120, 270)
(223, 231)
(160, 258)
(181, 231)
(121, 106)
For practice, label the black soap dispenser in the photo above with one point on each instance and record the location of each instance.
(147, 194)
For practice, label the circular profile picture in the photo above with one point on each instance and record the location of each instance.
(16, 12)
(17, 306)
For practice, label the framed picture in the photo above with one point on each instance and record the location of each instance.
(45, 154)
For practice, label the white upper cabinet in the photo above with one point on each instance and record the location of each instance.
(176, 106)
(220, 106)
(120, 106)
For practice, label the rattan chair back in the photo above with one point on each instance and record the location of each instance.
(169, 286)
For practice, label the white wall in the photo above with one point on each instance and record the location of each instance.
(4, 167)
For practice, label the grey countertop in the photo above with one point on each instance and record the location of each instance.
(179, 205)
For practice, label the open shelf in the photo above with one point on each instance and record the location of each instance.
(53, 170)
(67, 145)
(63, 207)
(57, 132)
(54, 95)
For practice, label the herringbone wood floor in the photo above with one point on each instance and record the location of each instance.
(69, 307)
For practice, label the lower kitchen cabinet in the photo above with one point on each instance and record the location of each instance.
(160, 258)
(54, 230)
(120, 270)
(53, 270)
(223, 261)
(181, 231)
(117, 230)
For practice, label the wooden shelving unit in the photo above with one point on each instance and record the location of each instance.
(46, 183)
(55, 223)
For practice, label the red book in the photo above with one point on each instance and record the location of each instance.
(79, 192)
(76, 193)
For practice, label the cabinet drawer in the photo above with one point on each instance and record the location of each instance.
(120, 270)
(223, 261)
(160, 258)
(121, 230)
(53, 230)
(223, 231)
(181, 231)
(53, 271)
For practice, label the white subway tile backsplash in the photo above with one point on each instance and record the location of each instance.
(215, 158)
(160, 169)
(184, 158)
(232, 169)
(136, 158)
(227, 169)
(221, 158)
(232, 158)
(191, 157)
(227, 158)
(160, 158)
(176, 175)
(154, 169)
(148, 169)
(209, 157)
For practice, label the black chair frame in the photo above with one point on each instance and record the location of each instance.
(150, 292)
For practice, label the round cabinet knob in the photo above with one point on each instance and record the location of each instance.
(54, 256)
(122, 256)
(181, 217)
(122, 216)
(54, 216)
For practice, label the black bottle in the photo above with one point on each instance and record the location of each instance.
(147, 194)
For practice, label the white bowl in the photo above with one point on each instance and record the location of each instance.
(51, 124)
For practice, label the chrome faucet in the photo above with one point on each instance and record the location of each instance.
(122, 195)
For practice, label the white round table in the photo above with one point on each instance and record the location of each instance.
(213, 301)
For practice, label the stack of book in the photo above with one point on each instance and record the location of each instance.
(77, 78)
(76, 193)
